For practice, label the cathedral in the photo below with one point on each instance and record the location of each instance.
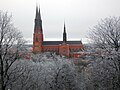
(64, 47)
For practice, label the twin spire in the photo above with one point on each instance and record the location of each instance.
(38, 24)
(38, 14)
(38, 21)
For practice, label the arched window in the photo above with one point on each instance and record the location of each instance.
(36, 39)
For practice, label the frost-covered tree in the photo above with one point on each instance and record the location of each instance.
(103, 73)
(30, 75)
(59, 73)
(11, 41)
(48, 72)
(106, 34)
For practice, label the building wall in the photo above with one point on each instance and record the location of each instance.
(37, 42)
(64, 49)
(76, 47)
(50, 48)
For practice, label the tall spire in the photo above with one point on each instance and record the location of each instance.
(38, 21)
(64, 28)
(64, 34)
(37, 14)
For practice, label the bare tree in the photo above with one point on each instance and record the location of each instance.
(11, 41)
(104, 73)
(107, 33)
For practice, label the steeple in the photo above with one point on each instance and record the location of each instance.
(38, 34)
(37, 14)
(64, 34)
(38, 21)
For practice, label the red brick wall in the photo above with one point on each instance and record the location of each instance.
(75, 55)
(37, 45)
(50, 48)
(64, 49)
(76, 48)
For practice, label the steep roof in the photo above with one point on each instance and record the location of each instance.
(60, 42)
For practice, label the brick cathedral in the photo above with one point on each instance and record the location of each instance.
(64, 47)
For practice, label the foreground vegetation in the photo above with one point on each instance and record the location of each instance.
(49, 71)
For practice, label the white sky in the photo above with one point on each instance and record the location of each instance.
(79, 16)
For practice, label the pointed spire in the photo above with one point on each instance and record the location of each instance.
(64, 34)
(37, 14)
(38, 21)
(64, 27)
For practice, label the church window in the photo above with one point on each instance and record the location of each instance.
(36, 39)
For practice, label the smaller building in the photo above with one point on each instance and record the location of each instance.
(64, 47)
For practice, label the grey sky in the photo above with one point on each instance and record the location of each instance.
(79, 15)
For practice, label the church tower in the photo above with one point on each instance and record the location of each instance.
(64, 47)
(64, 34)
(38, 32)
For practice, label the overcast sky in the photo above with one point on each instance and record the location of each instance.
(79, 16)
